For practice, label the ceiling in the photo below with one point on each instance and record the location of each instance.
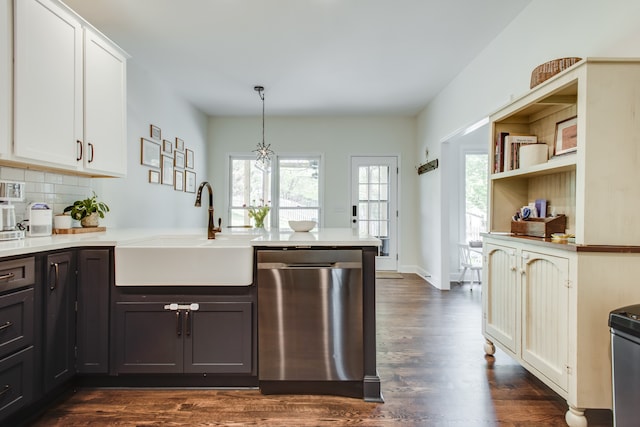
(314, 57)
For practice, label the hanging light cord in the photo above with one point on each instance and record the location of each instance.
(263, 151)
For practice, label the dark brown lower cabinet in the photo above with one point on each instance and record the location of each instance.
(16, 381)
(95, 277)
(169, 337)
(59, 319)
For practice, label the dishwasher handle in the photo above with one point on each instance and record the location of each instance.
(308, 265)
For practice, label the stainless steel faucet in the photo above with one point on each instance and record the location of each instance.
(211, 230)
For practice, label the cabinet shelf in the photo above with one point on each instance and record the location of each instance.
(564, 163)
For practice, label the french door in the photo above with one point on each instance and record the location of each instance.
(374, 204)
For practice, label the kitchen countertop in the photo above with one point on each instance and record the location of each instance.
(116, 236)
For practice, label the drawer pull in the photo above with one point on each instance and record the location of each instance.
(6, 325)
(56, 269)
(7, 277)
(5, 390)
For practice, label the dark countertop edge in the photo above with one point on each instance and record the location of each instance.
(565, 246)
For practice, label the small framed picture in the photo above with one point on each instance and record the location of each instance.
(149, 153)
(189, 160)
(167, 146)
(179, 160)
(167, 170)
(178, 180)
(189, 181)
(156, 133)
(179, 144)
(566, 136)
(154, 177)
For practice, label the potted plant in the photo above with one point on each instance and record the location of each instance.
(88, 210)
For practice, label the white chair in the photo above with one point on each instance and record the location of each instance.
(468, 262)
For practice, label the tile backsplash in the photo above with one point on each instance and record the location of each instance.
(57, 190)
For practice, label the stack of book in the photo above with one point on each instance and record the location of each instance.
(507, 150)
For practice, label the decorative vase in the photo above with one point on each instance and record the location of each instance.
(91, 220)
(258, 223)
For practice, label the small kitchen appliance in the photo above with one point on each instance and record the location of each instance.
(40, 219)
(10, 191)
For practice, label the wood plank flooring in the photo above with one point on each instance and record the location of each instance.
(430, 360)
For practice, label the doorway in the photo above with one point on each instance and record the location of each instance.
(374, 211)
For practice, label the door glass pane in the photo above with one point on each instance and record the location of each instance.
(373, 214)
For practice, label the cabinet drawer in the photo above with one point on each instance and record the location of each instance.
(16, 321)
(17, 273)
(16, 382)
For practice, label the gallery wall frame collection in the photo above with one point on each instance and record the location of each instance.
(171, 162)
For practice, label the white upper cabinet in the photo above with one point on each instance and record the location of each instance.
(47, 83)
(69, 93)
(6, 73)
(105, 112)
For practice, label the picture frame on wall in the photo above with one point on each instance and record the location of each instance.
(566, 136)
(167, 170)
(178, 160)
(178, 180)
(154, 177)
(155, 132)
(167, 146)
(149, 153)
(179, 144)
(189, 158)
(189, 181)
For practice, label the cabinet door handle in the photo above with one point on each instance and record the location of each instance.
(56, 275)
(6, 325)
(79, 144)
(91, 157)
(188, 321)
(7, 277)
(178, 323)
(5, 390)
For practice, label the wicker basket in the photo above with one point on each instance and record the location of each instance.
(549, 69)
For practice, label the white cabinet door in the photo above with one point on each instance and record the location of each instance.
(47, 83)
(500, 295)
(104, 107)
(6, 76)
(545, 314)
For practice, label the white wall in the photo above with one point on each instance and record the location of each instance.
(545, 30)
(336, 138)
(134, 202)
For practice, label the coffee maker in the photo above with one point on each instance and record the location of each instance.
(10, 191)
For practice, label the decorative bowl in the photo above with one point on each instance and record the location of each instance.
(302, 225)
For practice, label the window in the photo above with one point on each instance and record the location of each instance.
(292, 189)
(250, 186)
(475, 191)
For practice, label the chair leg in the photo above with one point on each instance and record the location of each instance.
(460, 279)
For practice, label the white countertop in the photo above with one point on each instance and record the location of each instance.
(114, 237)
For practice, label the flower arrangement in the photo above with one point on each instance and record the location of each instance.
(258, 213)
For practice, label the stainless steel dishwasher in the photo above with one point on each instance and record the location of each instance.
(310, 324)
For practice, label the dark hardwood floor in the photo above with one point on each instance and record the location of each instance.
(430, 360)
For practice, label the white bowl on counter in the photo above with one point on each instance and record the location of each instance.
(302, 225)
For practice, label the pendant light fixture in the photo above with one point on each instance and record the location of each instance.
(263, 151)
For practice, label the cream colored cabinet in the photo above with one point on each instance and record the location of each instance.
(544, 311)
(547, 303)
(500, 296)
(69, 92)
(526, 307)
